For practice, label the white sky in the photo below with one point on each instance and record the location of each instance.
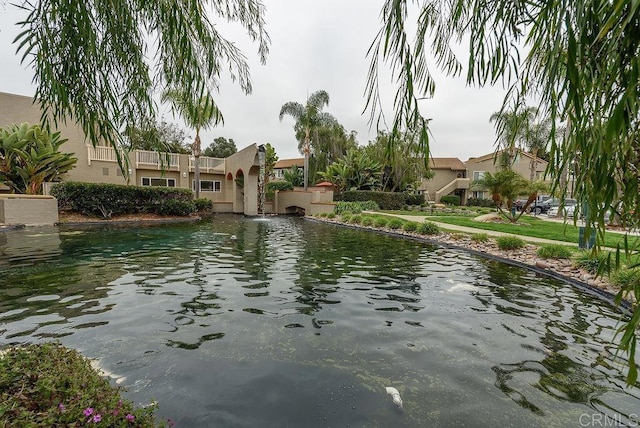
(314, 45)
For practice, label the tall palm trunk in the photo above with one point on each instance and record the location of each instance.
(306, 150)
(196, 169)
(534, 163)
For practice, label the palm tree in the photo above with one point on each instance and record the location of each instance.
(538, 136)
(198, 113)
(309, 119)
(512, 129)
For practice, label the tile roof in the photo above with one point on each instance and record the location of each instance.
(288, 163)
(454, 164)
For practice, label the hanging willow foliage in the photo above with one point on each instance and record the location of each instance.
(580, 58)
(99, 62)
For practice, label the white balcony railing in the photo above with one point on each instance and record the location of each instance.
(101, 153)
(157, 160)
(206, 163)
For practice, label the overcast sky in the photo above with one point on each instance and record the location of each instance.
(314, 45)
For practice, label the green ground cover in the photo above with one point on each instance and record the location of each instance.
(526, 226)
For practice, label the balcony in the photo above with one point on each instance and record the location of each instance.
(155, 160)
(102, 153)
(207, 164)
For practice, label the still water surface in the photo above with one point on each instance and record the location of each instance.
(235, 322)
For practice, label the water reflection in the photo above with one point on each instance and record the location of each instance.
(316, 320)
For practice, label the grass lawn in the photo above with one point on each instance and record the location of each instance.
(526, 226)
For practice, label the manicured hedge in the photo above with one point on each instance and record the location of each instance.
(450, 200)
(385, 200)
(106, 200)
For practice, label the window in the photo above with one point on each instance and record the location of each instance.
(207, 186)
(478, 175)
(168, 182)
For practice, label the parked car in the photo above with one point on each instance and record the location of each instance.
(567, 211)
(544, 206)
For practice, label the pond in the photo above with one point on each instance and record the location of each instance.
(234, 322)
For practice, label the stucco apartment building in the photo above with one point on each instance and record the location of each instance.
(451, 176)
(231, 183)
(523, 161)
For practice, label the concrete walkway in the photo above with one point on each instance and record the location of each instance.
(456, 228)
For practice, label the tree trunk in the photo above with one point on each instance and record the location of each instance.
(306, 150)
(196, 168)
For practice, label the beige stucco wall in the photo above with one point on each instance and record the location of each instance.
(28, 210)
(17, 109)
(316, 200)
(522, 166)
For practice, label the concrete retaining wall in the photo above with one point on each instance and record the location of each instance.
(30, 210)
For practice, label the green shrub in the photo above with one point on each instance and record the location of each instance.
(105, 200)
(175, 208)
(322, 215)
(474, 202)
(450, 200)
(271, 187)
(367, 221)
(47, 385)
(380, 222)
(394, 224)
(346, 217)
(203, 204)
(355, 219)
(509, 242)
(589, 261)
(554, 251)
(428, 228)
(410, 226)
(355, 207)
(331, 215)
(414, 199)
(480, 237)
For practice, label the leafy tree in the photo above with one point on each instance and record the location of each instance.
(294, 176)
(270, 161)
(198, 113)
(29, 156)
(309, 119)
(161, 136)
(331, 144)
(221, 148)
(91, 59)
(403, 167)
(355, 171)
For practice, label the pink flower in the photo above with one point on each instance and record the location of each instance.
(97, 418)
(88, 411)
(61, 407)
(129, 417)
